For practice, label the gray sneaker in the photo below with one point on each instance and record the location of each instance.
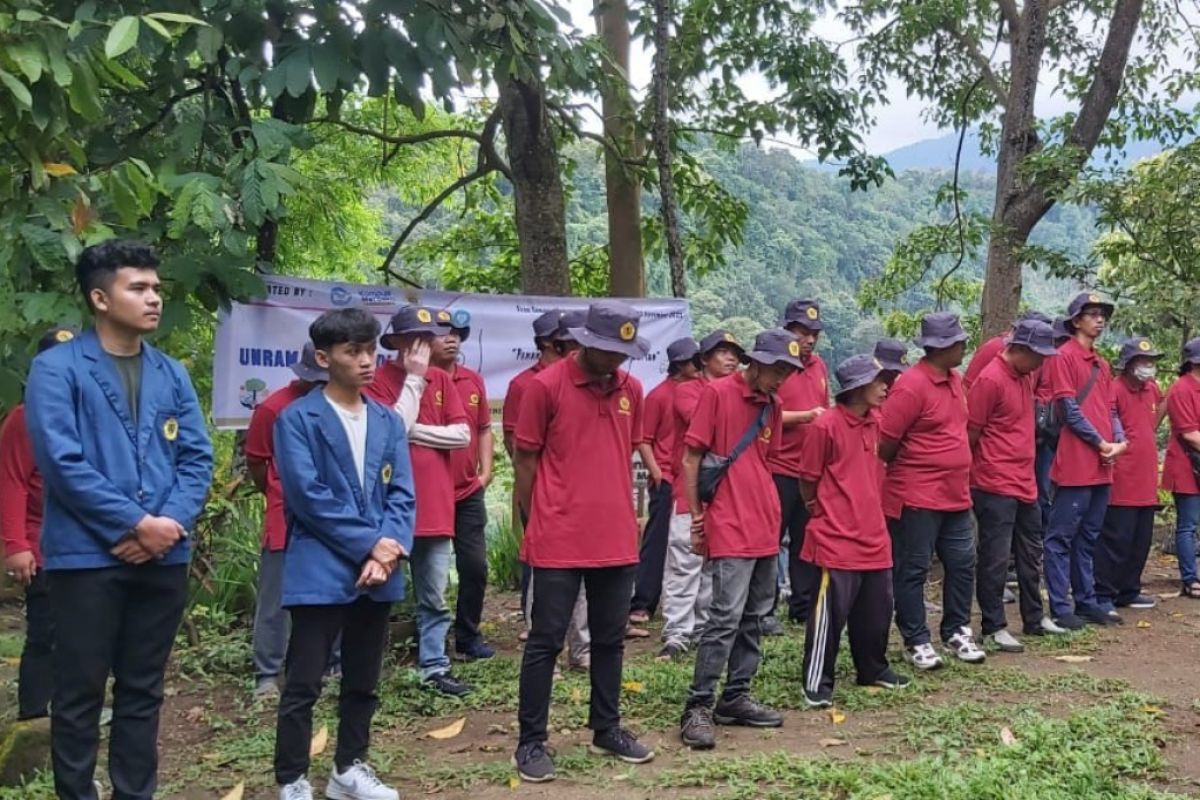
(533, 762)
(745, 710)
(299, 789)
(1005, 642)
(696, 728)
(622, 744)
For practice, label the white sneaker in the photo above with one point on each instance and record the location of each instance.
(1051, 627)
(962, 646)
(1005, 642)
(358, 783)
(299, 789)
(923, 657)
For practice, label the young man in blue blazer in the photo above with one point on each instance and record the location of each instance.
(120, 441)
(348, 494)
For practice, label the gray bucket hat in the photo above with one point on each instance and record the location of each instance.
(1191, 355)
(1136, 347)
(612, 326)
(720, 337)
(1033, 313)
(1059, 327)
(775, 345)
(806, 313)
(1083, 300)
(940, 330)
(546, 324)
(569, 320)
(858, 371)
(1034, 334)
(307, 368)
(893, 354)
(684, 349)
(414, 319)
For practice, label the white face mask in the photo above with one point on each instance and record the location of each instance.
(1145, 373)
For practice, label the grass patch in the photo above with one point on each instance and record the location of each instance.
(11, 644)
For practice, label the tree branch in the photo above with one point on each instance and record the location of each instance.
(1011, 15)
(988, 75)
(480, 171)
(607, 143)
(166, 109)
(416, 138)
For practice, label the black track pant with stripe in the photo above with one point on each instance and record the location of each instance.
(861, 603)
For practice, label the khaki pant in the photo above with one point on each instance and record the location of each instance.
(687, 585)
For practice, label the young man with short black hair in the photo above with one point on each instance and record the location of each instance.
(343, 463)
(120, 441)
(735, 529)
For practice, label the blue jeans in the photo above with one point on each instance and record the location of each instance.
(1187, 516)
(430, 564)
(1076, 520)
(1042, 463)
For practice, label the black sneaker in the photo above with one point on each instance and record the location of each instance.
(475, 651)
(745, 710)
(449, 685)
(618, 742)
(1141, 601)
(769, 626)
(1096, 616)
(818, 699)
(672, 651)
(533, 762)
(696, 728)
(888, 680)
(1070, 622)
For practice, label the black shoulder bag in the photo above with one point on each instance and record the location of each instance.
(1048, 423)
(713, 467)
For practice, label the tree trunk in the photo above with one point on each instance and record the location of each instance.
(662, 144)
(537, 187)
(627, 273)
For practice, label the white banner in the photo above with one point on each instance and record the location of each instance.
(257, 341)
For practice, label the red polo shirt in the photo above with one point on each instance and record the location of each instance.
(1135, 475)
(847, 529)
(1000, 404)
(802, 390)
(926, 412)
(986, 353)
(464, 463)
(260, 445)
(659, 426)
(1077, 463)
(20, 489)
(742, 521)
(433, 479)
(687, 397)
(512, 398)
(582, 513)
(1183, 408)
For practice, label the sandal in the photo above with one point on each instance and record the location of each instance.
(1191, 590)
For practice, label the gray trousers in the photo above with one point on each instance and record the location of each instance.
(579, 637)
(272, 624)
(687, 585)
(743, 591)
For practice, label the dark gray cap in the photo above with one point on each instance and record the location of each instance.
(1191, 355)
(1033, 313)
(568, 321)
(413, 319)
(1136, 347)
(775, 345)
(717, 338)
(612, 326)
(804, 312)
(1060, 328)
(684, 349)
(893, 354)
(546, 324)
(940, 330)
(858, 371)
(307, 368)
(1085, 300)
(1038, 336)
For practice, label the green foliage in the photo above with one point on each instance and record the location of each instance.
(503, 553)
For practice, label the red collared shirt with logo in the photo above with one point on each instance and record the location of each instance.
(687, 398)
(742, 521)
(1135, 475)
(1000, 405)
(1183, 409)
(1077, 463)
(659, 426)
(464, 462)
(803, 390)
(20, 489)
(986, 353)
(511, 411)
(926, 412)
(432, 476)
(582, 514)
(847, 529)
(260, 445)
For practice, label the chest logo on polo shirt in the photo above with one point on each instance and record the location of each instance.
(437, 397)
(623, 405)
(385, 474)
(171, 429)
(766, 433)
(473, 400)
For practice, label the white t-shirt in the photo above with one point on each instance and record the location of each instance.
(355, 426)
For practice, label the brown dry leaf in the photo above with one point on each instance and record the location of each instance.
(450, 731)
(490, 748)
(58, 169)
(1167, 595)
(1007, 737)
(832, 742)
(1153, 710)
(836, 717)
(1143, 623)
(236, 792)
(1176, 614)
(636, 687)
(1072, 659)
(194, 714)
(319, 741)
(82, 215)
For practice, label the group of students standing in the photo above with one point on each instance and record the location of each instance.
(106, 467)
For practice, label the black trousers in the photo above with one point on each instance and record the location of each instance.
(801, 575)
(35, 677)
(653, 554)
(859, 602)
(470, 560)
(916, 536)
(1007, 527)
(1121, 553)
(554, 593)
(363, 626)
(120, 620)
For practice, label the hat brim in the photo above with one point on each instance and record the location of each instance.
(638, 347)
(806, 322)
(741, 351)
(892, 366)
(390, 340)
(940, 342)
(1041, 350)
(767, 359)
(861, 381)
(1123, 362)
(310, 374)
(681, 358)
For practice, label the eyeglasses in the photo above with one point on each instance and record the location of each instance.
(1097, 313)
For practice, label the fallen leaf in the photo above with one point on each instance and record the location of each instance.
(576, 695)
(319, 741)
(1006, 737)
(836, 717)
(873, 690)
(490, 748)
(236, 792)
(1176, 613)
(1071, 659)
(514, 783)
(636, 687)
(194, 714)
(832, 742)
(497, 728)
(1167, 595)
(1143, 623)
(1150, 710)
(450, 731)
